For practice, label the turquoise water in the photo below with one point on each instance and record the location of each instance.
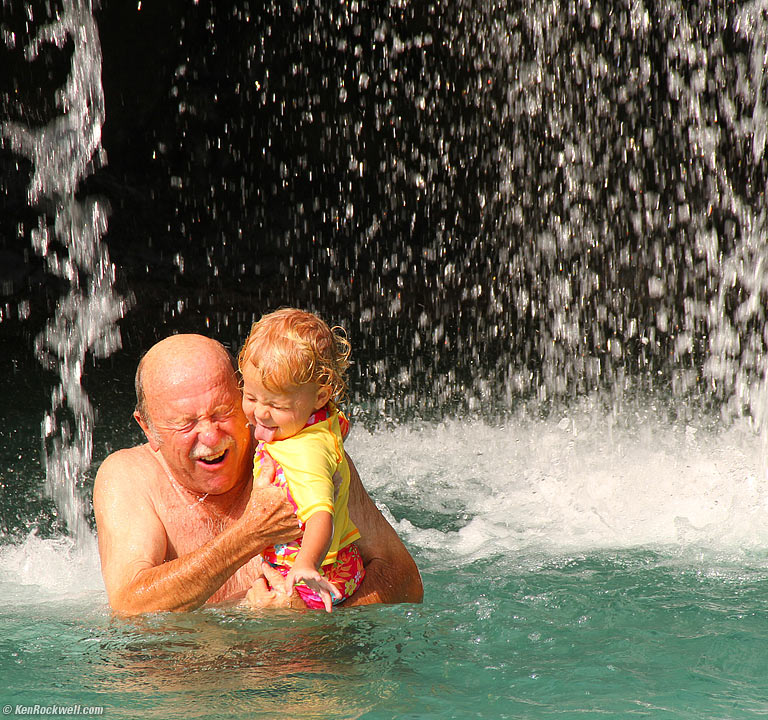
(615, 634)
(572, 566)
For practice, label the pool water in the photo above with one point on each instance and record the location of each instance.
(572, 565)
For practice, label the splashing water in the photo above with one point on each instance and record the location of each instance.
(499, 202)
(63, 152)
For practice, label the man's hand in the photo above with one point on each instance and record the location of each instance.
(269, 592)
(268, 511)
(266, 472)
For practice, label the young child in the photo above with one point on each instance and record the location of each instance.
(293, 368)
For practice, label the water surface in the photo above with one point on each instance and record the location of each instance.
(571, 565)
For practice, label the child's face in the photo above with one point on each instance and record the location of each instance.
(277, 415)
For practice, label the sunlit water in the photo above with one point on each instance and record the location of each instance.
(571, 564)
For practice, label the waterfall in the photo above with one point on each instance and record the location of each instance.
(69, 238)
(504, 204)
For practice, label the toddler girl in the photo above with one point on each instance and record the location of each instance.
(293, 368)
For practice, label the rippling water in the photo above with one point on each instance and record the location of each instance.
(575, 564)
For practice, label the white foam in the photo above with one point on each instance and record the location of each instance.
(39, 571)
(459, 492)
(575, 482)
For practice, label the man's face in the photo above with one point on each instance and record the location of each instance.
(200, 430)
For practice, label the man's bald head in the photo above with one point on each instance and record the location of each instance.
(175, 359)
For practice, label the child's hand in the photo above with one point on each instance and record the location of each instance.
(312, 579)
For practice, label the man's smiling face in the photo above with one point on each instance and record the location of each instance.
(197, 424)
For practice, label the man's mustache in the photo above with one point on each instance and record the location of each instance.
(203, 451)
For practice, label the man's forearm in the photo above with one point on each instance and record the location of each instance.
(389, 582)
(185, 583)
(391, 575)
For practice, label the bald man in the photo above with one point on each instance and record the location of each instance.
(180, 521)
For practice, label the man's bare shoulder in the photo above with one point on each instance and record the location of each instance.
(131, 466)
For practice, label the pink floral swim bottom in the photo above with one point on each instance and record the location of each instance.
(346, 574)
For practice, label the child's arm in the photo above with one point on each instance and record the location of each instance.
(318, 533)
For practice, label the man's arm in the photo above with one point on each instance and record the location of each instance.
(132, 543)
(391, 575)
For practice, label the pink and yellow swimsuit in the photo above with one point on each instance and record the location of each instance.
(306, 464)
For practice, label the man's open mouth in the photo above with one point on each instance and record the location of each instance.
(214, 459)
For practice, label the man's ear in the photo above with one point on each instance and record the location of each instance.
(151, 437)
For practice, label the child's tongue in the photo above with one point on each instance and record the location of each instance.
(262, 432)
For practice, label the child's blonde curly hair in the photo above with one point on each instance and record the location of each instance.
(294, 347)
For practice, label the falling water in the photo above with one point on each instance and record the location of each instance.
(63, 152)
(503, 203)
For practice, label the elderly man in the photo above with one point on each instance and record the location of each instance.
(181, 522)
